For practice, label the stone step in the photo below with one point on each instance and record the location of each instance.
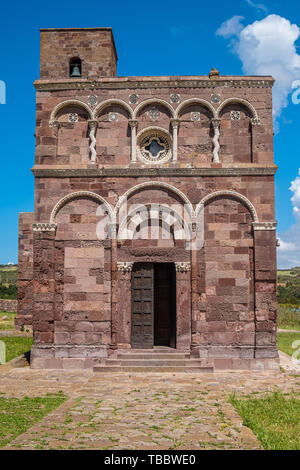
(166, 356)
(147, 362)
(203, 369)
(153, 351)
(151, 369)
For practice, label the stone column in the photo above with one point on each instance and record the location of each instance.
(93, 127)
(133, 125)
(183, 305)
(265, 280)
(43, 296)
(216, 126)
(175, 125)
(124, 307)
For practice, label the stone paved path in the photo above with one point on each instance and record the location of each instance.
(141, 411)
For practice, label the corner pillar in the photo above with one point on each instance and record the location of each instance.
(265, 280)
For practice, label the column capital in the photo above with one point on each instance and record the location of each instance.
(175, 122)
(133, 122)
(125, 266)
(92, 124)
(255, 122)
(216, 123)
(43, 227)
(264, 225)
(54, 123)
(183, 267)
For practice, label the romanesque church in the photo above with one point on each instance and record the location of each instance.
(152, 245)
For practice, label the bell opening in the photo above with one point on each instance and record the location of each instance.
(75, 67)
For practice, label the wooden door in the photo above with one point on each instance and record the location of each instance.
(164, 305)
(142, 316)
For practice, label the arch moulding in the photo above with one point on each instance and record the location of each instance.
(66, 103)
(80, 195)
(151, 184)
(145, 103)
(105, 104)
(245, 103)
(192, 101)
(230, 194)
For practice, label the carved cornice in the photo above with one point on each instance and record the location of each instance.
(182, 267)
(150, 172)
(264, 225)
(54, 123)
(125, 267)
(43, 227)
(135, 83)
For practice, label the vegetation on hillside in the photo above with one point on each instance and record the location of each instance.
(8, 281)
(288, 290)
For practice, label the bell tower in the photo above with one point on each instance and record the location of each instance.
(77, 53)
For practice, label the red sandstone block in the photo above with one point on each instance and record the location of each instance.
(46, 337)
(61, 338)
(240, 363)
(73, 363)
(44, 363)
(223, 364)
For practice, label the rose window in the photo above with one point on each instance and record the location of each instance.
(154, 147)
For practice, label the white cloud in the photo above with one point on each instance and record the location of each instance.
(286, 246)
(289, 250)
(258, 6)
(231, 27)
(295, 187)
(267, 47)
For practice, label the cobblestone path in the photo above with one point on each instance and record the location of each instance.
(141, 411)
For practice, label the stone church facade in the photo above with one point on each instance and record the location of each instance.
(154, 221)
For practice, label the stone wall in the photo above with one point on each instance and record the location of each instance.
(94, 46)
(241, 140)
(8, 305)
(25, 271)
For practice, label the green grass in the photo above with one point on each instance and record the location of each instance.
(7, 324)
(285, 341)
(287, 318)
(16, 345)
(274, 419)
(19, 414)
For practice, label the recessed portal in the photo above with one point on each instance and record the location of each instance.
(153, 321)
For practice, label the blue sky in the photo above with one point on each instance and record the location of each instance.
(156, 38)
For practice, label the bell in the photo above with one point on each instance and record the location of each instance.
(75, 71)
